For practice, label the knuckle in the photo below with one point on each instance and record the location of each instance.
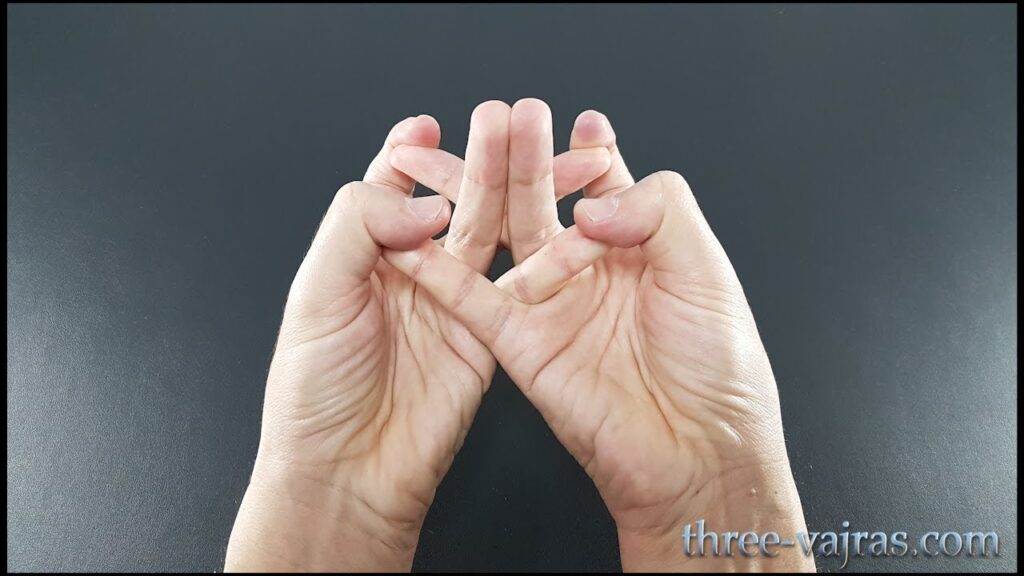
(674, 189)
(672, 182)
(465, 238)
(346, 195)
(532, 181)
(536, 236)
(448, 180)
(562, 259)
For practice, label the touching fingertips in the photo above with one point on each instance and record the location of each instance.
(402, 156)
(599, 209)
(595, 156)
(422, 130)
(600, 158)
(427, 208)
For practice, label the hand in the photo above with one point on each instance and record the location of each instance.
(631, 334)
(373, 386)
(535, 181)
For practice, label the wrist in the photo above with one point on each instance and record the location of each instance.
(755, 498)
(289, 521)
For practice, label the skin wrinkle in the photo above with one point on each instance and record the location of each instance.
(670, 325)
(353, 360)
(539, 237)
(557, 253)
(703, 397)
(329, 422)
(450, 348)
(442, 466)
(300, 415)
(531, 182)
(652, 388)
(415, 361)
(388, 488)
(448, 180)
(698, 360)
(469, 238)
(334, 489)
(465, 289)
(599, 436)
(423, 256)
(446, 327)
(484, 187)
(598, 296)
(689, 496)
(554, 421)
(591, 452)
(327, 316)
(596, 300)
(521, 288)
(416, 355)
(465, 421)
(538, 374)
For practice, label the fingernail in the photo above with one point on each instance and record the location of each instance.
(427, 208)
(598, 209)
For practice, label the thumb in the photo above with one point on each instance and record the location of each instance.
(660, 215)
(361, 220)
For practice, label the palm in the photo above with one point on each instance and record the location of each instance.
(630, 410)
(399, 382)
(644, 359)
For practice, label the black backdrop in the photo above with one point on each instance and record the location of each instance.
(168, 165)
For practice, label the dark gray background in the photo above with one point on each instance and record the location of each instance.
(168, 165)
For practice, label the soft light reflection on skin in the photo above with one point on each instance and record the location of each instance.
(628, 331)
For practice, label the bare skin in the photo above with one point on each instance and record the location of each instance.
(628, 331)
(631, 334)
(373, 385)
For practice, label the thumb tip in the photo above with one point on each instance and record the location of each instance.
(429, 209)
(422, 130)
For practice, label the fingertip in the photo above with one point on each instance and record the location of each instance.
(429, 209)
(422, 130)
(592, 129)
(614, 221)
(531, 104)
(490, 109)
(530, 110)
(488, 134)
(405, 227)
(595, 210)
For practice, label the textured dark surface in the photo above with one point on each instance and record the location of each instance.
(167, 167)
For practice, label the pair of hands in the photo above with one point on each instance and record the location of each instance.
(628, 331)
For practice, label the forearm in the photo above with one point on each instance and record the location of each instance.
(759, 500)
(290, 523)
